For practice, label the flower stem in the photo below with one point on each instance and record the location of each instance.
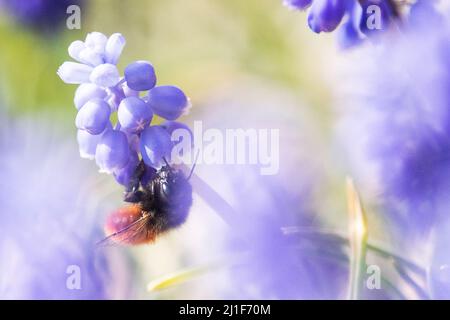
(358, 242)
(213, 199)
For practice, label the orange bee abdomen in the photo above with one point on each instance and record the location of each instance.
(129, 225)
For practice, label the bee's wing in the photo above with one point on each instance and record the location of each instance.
(128, 235)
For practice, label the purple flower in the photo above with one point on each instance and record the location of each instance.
(134, 114)
(326, 15)
(349, 34)
(45, 16)
(97, 49)
(124, 175)
(87, 143)
(93, 116)
(297, 4)
(155, 146)
(278, 265)
(112, 151)
(49, 220)
(113, 48)
(178, 132)
(267, 263)
(168, 102)
(376, 16)
(171, 126)
(102, 91)
(86, 92)
(400, 124)
(105, 75)
(97, 57)
(140, 76)
(74, 73)
(358, 19)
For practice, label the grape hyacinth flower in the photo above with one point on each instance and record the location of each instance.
(45, 16)
(400, 121)
(297, 4)
(135, 97)
(49, 220)
(355, 20)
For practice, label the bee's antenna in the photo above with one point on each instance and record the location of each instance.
(193, 166)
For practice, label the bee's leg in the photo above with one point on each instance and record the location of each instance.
(132, 192)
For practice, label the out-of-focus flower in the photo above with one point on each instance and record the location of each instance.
(297, 4)
(439, 268)
(276, 265)
(400, 125)
(49, 221)
(43, 15)
(372, 10)
(358, 19)
(103, 91)
(271, 264)
(326, 15)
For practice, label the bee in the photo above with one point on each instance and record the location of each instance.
(157, 204)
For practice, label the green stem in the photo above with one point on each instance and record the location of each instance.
(357, 274)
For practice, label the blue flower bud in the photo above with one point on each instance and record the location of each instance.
(105, 75)
(114, 47)
(75, 73)
(93, 116)
(86, 92)
(90, 57)
(96, 41)
(140, 76)
(155, 146)
(134, 114)
(376, 16)
(179, 133)
(124, 175)
(75, 49)
(349, 34)
(325, 15)
(171, 126)
(168, 102)
(87, 143)
(112, 151)
(297, 4)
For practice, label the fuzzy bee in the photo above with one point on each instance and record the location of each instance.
(157, 206)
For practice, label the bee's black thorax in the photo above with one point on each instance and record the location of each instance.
(167, 197)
